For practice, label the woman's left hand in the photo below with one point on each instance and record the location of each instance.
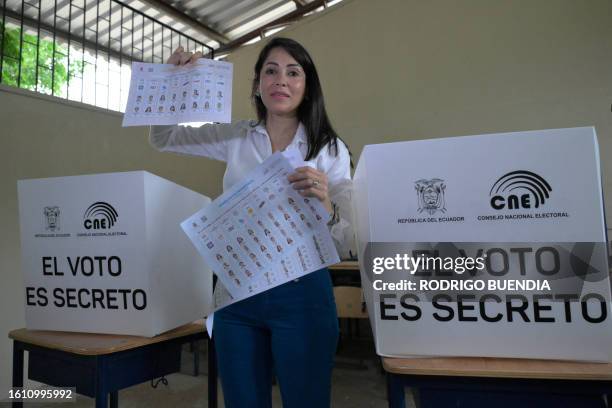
(311, 183)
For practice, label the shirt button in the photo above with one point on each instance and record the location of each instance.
(296, 280)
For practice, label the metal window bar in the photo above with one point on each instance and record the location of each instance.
(69, 43)
(54, 48)
(53, 25)
(142, 38)
(37, 47)
(142, 42)
(83, 47)
(108, 61)
(120, 50)
(20, 45)
(95, 96)
(2, 39)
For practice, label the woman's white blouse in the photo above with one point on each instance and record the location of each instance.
(243, 145)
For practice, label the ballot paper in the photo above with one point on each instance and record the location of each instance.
(165, 94)
(262, 233)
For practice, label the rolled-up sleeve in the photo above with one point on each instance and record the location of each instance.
(209, 140)
(340, 190)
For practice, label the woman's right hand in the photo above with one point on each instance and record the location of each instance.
(180, 57)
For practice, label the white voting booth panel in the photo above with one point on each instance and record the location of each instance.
(468, 191)
(105, 253)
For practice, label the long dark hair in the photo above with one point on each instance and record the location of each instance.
(311, 111)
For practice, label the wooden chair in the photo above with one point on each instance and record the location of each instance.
(350, 306)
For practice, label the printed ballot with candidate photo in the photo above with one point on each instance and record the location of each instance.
(165, 94)
(261, 233)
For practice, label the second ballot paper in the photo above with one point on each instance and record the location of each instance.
(262, 233)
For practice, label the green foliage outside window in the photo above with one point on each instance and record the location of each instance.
(46, 79)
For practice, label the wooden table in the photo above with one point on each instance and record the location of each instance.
(498, 382)
(102, 364)
(347, 290)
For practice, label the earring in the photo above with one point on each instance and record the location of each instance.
(257, 94)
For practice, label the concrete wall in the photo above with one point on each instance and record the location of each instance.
(48, 137)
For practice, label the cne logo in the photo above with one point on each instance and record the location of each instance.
(519, 189)
(100, 215)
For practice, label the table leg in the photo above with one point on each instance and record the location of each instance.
(195, 348)
(101, 391)
(101, 400)
(114, 399)
(395, 391)
(212, 375)
(17, 369)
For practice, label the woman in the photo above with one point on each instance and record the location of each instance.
(291, 329)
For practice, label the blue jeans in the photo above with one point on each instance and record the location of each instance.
(293, 328)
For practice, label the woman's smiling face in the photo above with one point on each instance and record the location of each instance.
(282, 83)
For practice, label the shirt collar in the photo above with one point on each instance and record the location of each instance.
(298, 139)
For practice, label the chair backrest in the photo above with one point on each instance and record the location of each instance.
(350, 302)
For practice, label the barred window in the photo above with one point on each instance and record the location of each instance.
(82, 50)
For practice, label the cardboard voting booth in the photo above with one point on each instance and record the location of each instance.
(105, 253)
(525, 207)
